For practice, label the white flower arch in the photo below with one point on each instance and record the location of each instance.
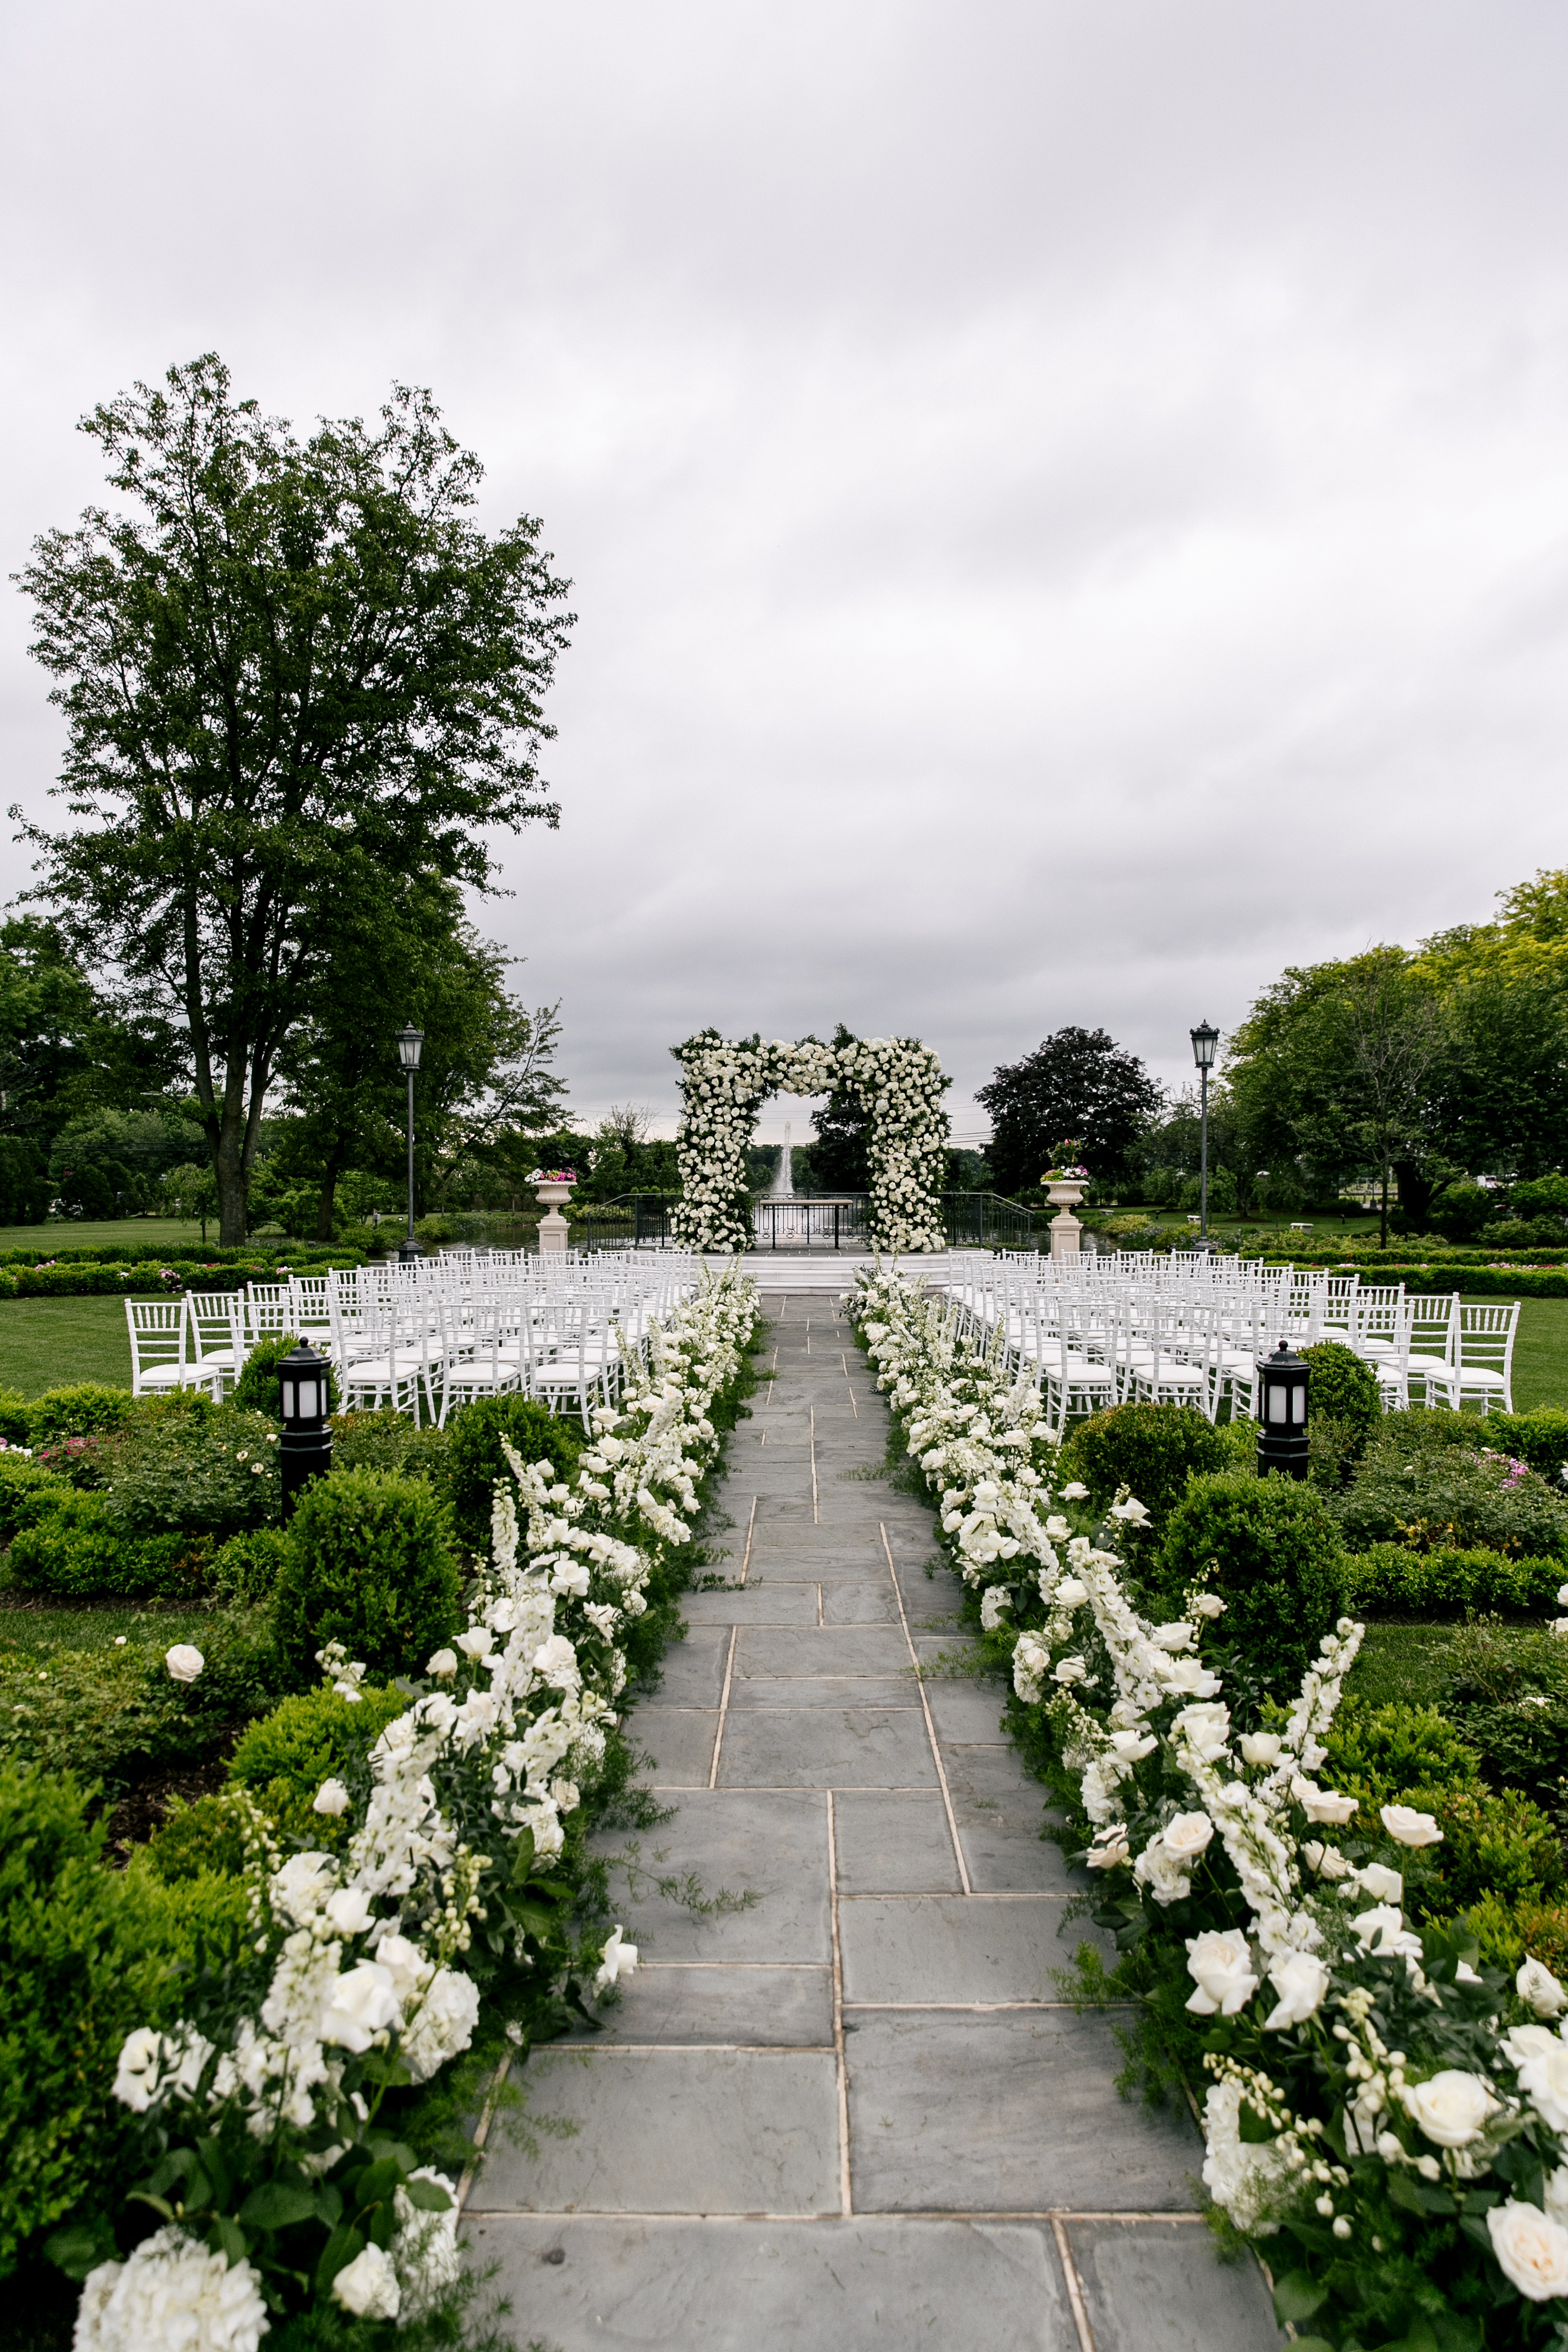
(723, 1084)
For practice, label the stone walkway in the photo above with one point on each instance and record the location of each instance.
(852, 2111)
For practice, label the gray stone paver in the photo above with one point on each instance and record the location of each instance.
(845, 2064)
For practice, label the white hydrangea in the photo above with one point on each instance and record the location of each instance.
(171, 2292)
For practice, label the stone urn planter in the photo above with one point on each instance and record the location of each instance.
(552, 1226)
(1064, 1195)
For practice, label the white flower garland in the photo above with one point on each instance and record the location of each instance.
(723, 1084)
(361, 1945)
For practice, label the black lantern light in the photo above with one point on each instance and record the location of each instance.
(409, 1042)
(1205, 1037)
(305, 1451)
(1283, 1381)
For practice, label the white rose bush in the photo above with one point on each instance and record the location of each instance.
(723, 1084)
(267, 2118)
(1384, 2119)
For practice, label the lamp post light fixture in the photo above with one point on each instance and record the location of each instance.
(1205, 1037)
(305, 1449)
(1283, 1382)
(409, 1042)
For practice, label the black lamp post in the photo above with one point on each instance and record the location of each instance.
(1205, 1037)
(409, 1041)
(305, 1450)
(1283, 1380)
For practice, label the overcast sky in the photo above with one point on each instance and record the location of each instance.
(1067, 505)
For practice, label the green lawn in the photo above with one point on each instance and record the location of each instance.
(1401, 1662)
(35, 1632)
(136, 1233)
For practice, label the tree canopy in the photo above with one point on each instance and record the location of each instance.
(295, 675)
(1078, 1083)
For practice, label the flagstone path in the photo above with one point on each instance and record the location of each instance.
(846, 2105)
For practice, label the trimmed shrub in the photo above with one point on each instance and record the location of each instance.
(476, 1461)
(1377, 1752)
(1508, 1931)
(245, 1569)
(82, 1410)
(205, 1473)
(81, 1965)
(27, 1490)
(1522, 1743)
(1342, 1388)
(1153, 1449)
(369, 1564)
(206, 1836)
(14, 1411)
(315, 1736)
(389, 1440)
(114, 1715)
(1279, 1566)
(78, 1546)
(1387, 1581)
(259, 1388)
(1539, 1438)
(1495, 1842)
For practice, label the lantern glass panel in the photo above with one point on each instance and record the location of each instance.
(308, 1405)
(1276, 1401)
(290, 1409)
(1297, 1402)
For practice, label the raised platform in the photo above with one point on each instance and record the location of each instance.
(827, 1270)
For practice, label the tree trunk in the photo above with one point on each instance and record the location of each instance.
(1416, 1192)
(330, 1174)
(1383, 1231)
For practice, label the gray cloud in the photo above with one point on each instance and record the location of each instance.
(1067, 507)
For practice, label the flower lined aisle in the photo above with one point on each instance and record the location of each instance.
(1384, 2117)
(266, 2142)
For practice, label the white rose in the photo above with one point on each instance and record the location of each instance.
(1384, 1886)
(556, 1662)
(1323, 1805)
(1070, 1593)
(349, 1910)
(332, 1797)
(444, 1662)
(476, 1642)
(1531, 2250)
(1187, 1834)
(1074, 1493)
(1452, 2107)
(1261, 1747)
(1406, 1827)
(1111, 1848)
(138, 2075)
(1068, 1670)
(1326, 1860)
(1187, 1678)
(617, 1959)
(1541, 2060)
(361, 2003)
(1132, 1746)
(1562, 1589)
(444, 2024)
(1178, 1637)
(183, 1662)
(1556, 2194)
(409, 1966)
(1382, 1933)
(1539, 1990)
(1301, 1979)
(1136, 1514)
(1208, 1604)
(1221, 1965)
(1058, 1529)
(1204, 1727)
(368, 2286)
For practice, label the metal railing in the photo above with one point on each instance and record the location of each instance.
(631, 1221)
(809, 1222)
(986, 1220)
(819, 1221)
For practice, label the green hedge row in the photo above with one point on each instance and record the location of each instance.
(144, 1279)
(134, 1253)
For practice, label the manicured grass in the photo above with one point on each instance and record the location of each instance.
(1401, 1662)
(136, 1233)
(35, 1633)
(1541, 1354)
(45, 1343)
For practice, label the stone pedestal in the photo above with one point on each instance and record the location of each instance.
(554, 1230)
(1065, 1230)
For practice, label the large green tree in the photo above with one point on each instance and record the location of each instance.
(293, 670)
(1078, 1085)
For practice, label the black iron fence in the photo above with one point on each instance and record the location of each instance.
(813, 1223)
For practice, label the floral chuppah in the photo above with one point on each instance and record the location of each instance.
(723, 1084)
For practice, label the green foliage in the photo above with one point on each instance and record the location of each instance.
(78, 1547)
(84, 1410)
(1496, 1842)
(113, 1715)
(1376, 1753)
(389, 1440)
(1539, 1438)
(259, 1388)
(14, 1409)
(1460, 1210)
(1153, 1449)
(245, 1569)
(206, 1836)
(312, 1737)
(1522, 1743)
(477, 1461)
(1277, 1565)
(27, 1492)
(369, 1564)
(1343, 1387)
(204, 1472)
(1425, 1482)
(81, 1965)
(1390, 1581)
(1077, 1083)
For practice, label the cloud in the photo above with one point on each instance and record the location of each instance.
(1068, 508)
